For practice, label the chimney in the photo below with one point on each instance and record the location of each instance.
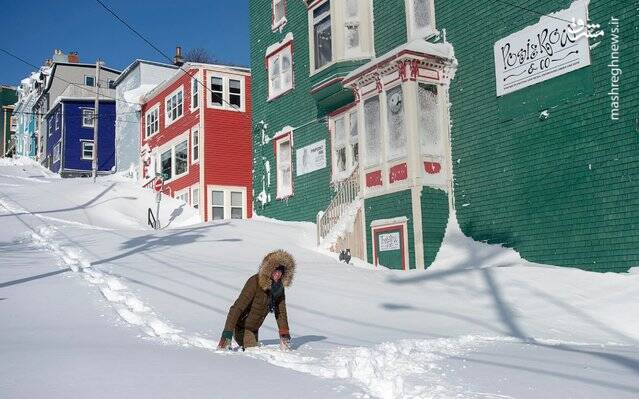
(73, 57)
(178, 60)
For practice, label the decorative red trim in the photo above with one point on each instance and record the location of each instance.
(326, 84)
(312, 4)
(432, 168)
(277, 50)
(398, 173)
(388, 60)
(426, 76)
(374, 178)
(393, 228)
(342, 110)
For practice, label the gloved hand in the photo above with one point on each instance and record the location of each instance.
(285, 340)
(225, 341)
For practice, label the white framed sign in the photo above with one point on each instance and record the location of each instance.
(389, 241)
(552, 47)
(311, 158)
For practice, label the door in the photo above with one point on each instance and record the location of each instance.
(389, 247)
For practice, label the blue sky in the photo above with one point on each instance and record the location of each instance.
(34, 28)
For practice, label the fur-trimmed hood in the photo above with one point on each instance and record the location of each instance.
(270, 262)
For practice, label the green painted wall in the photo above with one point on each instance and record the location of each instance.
(312, 192)
(562, 191)
(434, 221)
(386, 207)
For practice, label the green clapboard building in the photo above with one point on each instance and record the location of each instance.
(376, 118)
(8, 97)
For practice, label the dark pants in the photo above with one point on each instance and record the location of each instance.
(245, 338)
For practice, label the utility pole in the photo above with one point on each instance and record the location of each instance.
(96, 112)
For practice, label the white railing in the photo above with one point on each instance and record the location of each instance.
(347, 193)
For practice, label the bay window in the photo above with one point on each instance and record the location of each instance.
(372, 130)
(428, 122)
(396, 126)
(322, 35)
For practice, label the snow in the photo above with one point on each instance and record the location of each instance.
(96, 304)
(273, 47)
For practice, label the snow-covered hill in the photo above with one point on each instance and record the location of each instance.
(95, 303)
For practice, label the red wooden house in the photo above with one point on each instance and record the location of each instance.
(196, 131)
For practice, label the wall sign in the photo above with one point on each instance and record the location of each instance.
(389, 241)
(550, 48)
(311, 158)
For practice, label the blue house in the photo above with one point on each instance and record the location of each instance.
(70, 145)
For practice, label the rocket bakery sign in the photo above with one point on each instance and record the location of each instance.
(556, 45)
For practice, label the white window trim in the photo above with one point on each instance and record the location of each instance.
(195, 196)
(196, 82)
(56, 153)
(279, 24)
(155, 108)
(171, 146)
(184, 192)
(227, 200)
(338, 42)
(92, 119)
(286, 46)
(282, 138)
(167, 121)
(348, 114)
(226, 103)
(195, 129)
(82, 144)
(424, 33)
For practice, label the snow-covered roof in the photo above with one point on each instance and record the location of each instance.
(137, 62)
(419, 46)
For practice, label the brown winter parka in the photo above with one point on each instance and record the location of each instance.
(251, 307)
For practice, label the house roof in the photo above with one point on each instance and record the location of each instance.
(137, 62)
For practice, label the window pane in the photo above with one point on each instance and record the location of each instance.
(285, 152)
(341, 159)
(236, 213)
(323, 42)
(216, 90)
(195, 198)
(236, 198)
(340, 132)
(165, 160)
(396, 128)
(353, 127)
(421, 11)
(371, 122)
(89, 81)
(181, 158)
(278, 10)
(218, 198)
(234, 86)
(235, 91)
(429, 119)
(218, 213)
(355, 152)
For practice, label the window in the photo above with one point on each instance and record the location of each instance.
(195, 197)
(166, 165)
(89, 80)
(56, 153)
(174, 160)
(280, 71)
(14, 124)
(152, 121)
(351, 27)
(87, 150)
(227, 92)
(111, 84)
(195, 144)
(217, 199)
(181, 158)
(88, 117)
(237, 206)
(50, 127)
(279, 14)
(182, 196)
(396, 127)
(174, 106)
(227, 202)
(195, 93)
(283, 156)
(217, 91)
(428, 122)
(372, 131)
(57, 120)
(420, 18)
(345, 145)
(322, 35)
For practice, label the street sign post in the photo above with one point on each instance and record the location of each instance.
(158, 185)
